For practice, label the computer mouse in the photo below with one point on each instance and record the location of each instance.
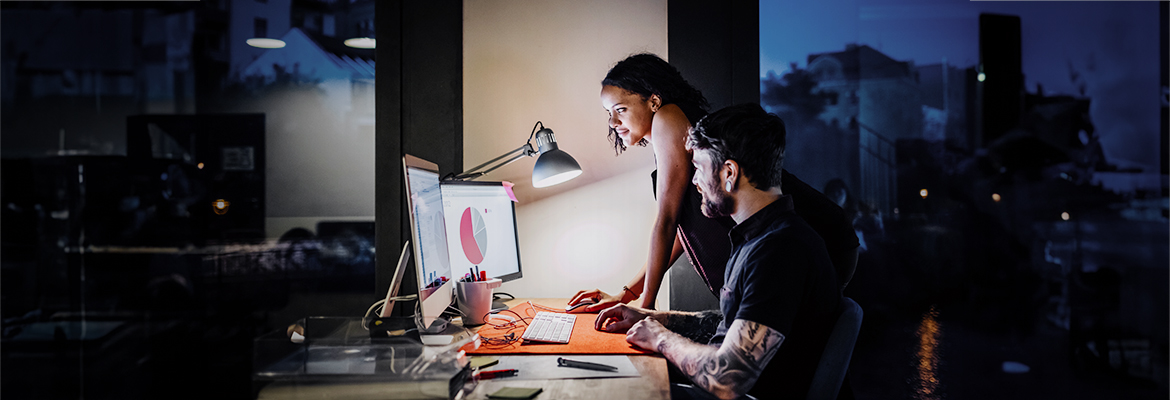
(582, 303)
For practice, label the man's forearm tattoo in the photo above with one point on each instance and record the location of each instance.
(697, 326)
(732, 369)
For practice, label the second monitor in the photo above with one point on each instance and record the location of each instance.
(481, 229)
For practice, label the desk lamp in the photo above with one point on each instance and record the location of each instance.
(553, 165)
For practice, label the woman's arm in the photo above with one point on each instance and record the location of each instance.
(668, 135)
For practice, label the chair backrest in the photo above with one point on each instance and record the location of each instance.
(838, 351)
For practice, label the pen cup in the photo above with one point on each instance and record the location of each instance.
(475, 300)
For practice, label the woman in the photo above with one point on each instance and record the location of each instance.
(650, 104)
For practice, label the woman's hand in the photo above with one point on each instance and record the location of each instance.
(601, 301)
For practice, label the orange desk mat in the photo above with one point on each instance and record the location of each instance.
(584, 340)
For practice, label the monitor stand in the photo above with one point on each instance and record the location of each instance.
(498, 301)
(498, 304)
(433, 336)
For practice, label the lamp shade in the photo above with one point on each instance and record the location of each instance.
(553, 166)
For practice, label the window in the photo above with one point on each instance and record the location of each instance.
(260, 28)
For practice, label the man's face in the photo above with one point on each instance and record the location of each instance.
(716, 202)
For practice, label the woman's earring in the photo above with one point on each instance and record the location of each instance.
(727, 186)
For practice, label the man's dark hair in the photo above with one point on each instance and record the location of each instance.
(646, 74)
(747, 134)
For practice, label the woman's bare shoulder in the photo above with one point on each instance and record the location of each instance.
(670, 123)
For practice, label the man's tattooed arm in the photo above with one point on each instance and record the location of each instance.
(731, 369)
(697, 326)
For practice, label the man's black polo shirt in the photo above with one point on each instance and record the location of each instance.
(779, 275)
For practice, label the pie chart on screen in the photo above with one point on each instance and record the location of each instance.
(473, 235)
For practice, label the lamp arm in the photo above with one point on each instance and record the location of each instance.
(524, 151)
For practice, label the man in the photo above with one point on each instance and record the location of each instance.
(780, 296)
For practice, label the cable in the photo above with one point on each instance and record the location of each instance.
(377, 305)
(509, 337)
(418, 321)
(533, 134)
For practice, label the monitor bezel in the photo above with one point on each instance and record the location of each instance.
(436, 301)
(515, 228)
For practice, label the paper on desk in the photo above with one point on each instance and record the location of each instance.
(545, 367)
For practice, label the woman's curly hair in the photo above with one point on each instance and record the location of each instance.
(647, 74)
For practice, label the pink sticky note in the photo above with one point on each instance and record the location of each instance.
(508, 188)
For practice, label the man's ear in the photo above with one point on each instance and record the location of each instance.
(730, 172)
(655, 102)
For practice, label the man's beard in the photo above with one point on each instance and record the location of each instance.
(716, 204)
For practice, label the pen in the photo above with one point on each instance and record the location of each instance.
(472, 271)
(565, 362)
(498, 373)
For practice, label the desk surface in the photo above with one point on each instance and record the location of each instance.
(653, 384)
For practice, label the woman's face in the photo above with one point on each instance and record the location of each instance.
(629, 114)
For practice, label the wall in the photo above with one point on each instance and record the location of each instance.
(579, 240)
(526, 61)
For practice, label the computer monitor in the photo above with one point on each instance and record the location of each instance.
(429, 238)
(481, 221)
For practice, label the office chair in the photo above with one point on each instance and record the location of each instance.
(826, 383)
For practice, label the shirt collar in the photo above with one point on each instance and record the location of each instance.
(763, 219)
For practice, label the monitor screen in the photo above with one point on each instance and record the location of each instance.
(481, 221)
(429, 237)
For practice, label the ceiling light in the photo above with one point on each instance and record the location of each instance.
(360, 42)
(265, 43)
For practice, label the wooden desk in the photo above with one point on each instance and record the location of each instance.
(653, 384)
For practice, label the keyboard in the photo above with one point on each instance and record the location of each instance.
(550, 327)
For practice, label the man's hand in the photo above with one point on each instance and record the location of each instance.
(601, 301)
(620, 318)
(646, 333)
